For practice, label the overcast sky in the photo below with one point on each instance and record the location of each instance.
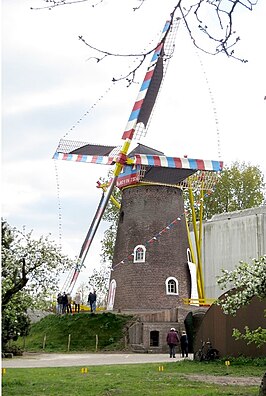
(51, 89)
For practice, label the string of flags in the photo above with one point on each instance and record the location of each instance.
(153, 239)
(88, 111)
(214, 108)
(164, 230)
(147, 243)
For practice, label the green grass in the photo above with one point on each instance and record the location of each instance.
(128, 380)
(119, 380)
(82, 328)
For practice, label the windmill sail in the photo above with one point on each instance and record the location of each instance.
(152, 93)
(84, 250)
(140, 115)
(90, 232)
(144, 105)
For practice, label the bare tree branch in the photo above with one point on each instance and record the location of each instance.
(57, 3)
(224, 37)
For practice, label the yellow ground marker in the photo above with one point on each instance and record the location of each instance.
(84, 370)
(227, 363)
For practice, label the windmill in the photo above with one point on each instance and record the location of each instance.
(152, 203)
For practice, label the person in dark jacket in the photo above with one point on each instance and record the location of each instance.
(64, 303)
(184, 344)
(59, 306)
(92, 301)
(172, 340)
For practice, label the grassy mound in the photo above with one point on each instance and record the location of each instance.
(78, 332)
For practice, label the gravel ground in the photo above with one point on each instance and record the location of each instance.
(30, 360)
(225, 380)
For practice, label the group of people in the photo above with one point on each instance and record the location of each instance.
(65, 303)
(173, 340)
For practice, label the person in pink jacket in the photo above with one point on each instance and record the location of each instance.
(172, 340)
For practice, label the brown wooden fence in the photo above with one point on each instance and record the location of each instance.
(217, 328)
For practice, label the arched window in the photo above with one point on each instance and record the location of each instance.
(139, 254)
(171, 285)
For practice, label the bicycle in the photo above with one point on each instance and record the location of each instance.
(206, 352)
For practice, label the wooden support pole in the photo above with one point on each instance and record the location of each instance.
(96, 343)
(68, 344)
(44, 342)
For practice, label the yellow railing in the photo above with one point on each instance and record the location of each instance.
(199, 301)
(83, 307)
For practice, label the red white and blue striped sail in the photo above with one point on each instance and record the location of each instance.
(148, 160)
(90, 159)
(149, 89)
(178, 162)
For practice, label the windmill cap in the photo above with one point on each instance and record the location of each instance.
(172, 328)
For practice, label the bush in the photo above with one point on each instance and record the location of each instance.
(14, 350)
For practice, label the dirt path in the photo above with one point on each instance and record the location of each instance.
(225, 380)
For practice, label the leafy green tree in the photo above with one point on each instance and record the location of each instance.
(30, 273)
(241, 186)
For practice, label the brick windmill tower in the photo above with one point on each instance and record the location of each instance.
(152, 268)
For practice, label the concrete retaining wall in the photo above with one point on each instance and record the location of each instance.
(228, 239)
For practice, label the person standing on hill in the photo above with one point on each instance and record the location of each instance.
(184, 344)
(77, 302)
(69, 308)
(59, 306)
(64, 303)
(92, 301)
(172, 340)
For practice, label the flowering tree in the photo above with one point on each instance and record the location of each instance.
(29, 274)
(99, 281)
(248, 280)
(83, 289)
